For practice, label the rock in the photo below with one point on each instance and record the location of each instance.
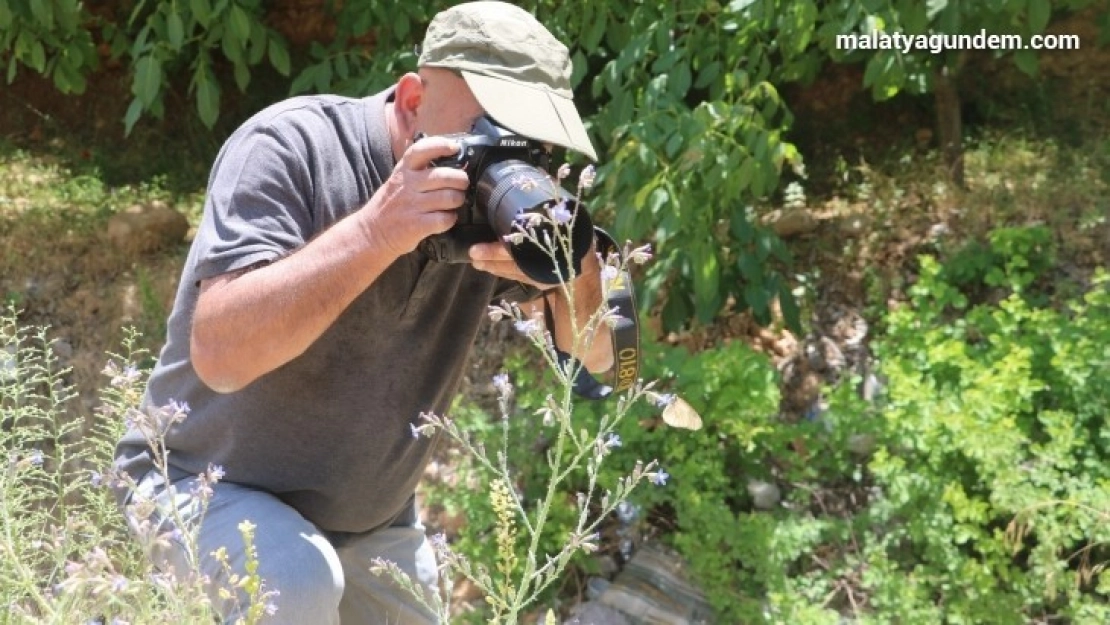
(594, 613)
(466, 592)
(765, 496)
(9, 363)
(63, 349)
(861, 444)
(147, 227)
(871, 387)
(653, 589)
(793, 223)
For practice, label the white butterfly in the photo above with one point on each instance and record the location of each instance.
(679, 413)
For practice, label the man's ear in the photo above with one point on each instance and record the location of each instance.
(406, 99)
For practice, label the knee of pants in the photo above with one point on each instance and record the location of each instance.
(298, 566)
(302, 576)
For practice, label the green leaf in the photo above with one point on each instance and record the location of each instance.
(750, 267)
(676, 311)
(1027, 61)
(680, 80)
(342, 67)
(208, 98)
(596, 31)
(232, 46)
(134, 111)
(303, 82)
(60, 81)
(38, 56)
(578, 69)
(745, 173)
(932, 7)
(148, 79)
(708, 74)
(242, 76)
(279, 56)
(1040, 11)
(5, 16)
(657, 201)
(791, 313)
(707, 282)
(758, 299)
(175, 31)
(401, 25)
(239, 22)
(257, 43)
(674, 144)
(202, 11)
(323, 77)
(43, 12)
(67, 78)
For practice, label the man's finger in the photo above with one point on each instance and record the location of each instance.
(421, 154)
(489, 252)
(445, 178)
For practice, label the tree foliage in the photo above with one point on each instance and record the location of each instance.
(682, 97)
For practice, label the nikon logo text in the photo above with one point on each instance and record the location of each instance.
(514, 143)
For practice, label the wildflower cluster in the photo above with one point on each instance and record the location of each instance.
(523, 570)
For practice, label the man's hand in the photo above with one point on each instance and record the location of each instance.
(495, 258)
(418, 200)
(597, 355)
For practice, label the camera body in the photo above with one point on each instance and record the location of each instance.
(509, 179)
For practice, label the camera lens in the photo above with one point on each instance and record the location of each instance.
(509, 190)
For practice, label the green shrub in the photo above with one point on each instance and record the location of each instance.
(973, 490)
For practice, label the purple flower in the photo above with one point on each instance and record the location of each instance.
(641, 254)
(216, 473)
(614, 440)
(527, 327)
(36, 458)
(560, 213)
(415, 430)
(502, 384)
(664, 400)
(178, 409)
(127, 376)
(660, 477)
(587, 177)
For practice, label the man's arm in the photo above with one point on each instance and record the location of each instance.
(598, 357)
(248, 324)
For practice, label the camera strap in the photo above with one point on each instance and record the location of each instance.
(625, 333)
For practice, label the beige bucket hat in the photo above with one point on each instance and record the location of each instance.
(519, 72)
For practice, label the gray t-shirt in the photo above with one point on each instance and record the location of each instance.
(328, 432)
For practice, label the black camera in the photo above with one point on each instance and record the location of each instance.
(508, 181)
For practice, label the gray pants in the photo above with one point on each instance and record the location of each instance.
(321, 577)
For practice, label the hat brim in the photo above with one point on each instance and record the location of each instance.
(534, 113)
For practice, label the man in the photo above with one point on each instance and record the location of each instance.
(309, 330)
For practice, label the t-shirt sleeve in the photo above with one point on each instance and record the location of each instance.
(258, 206)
